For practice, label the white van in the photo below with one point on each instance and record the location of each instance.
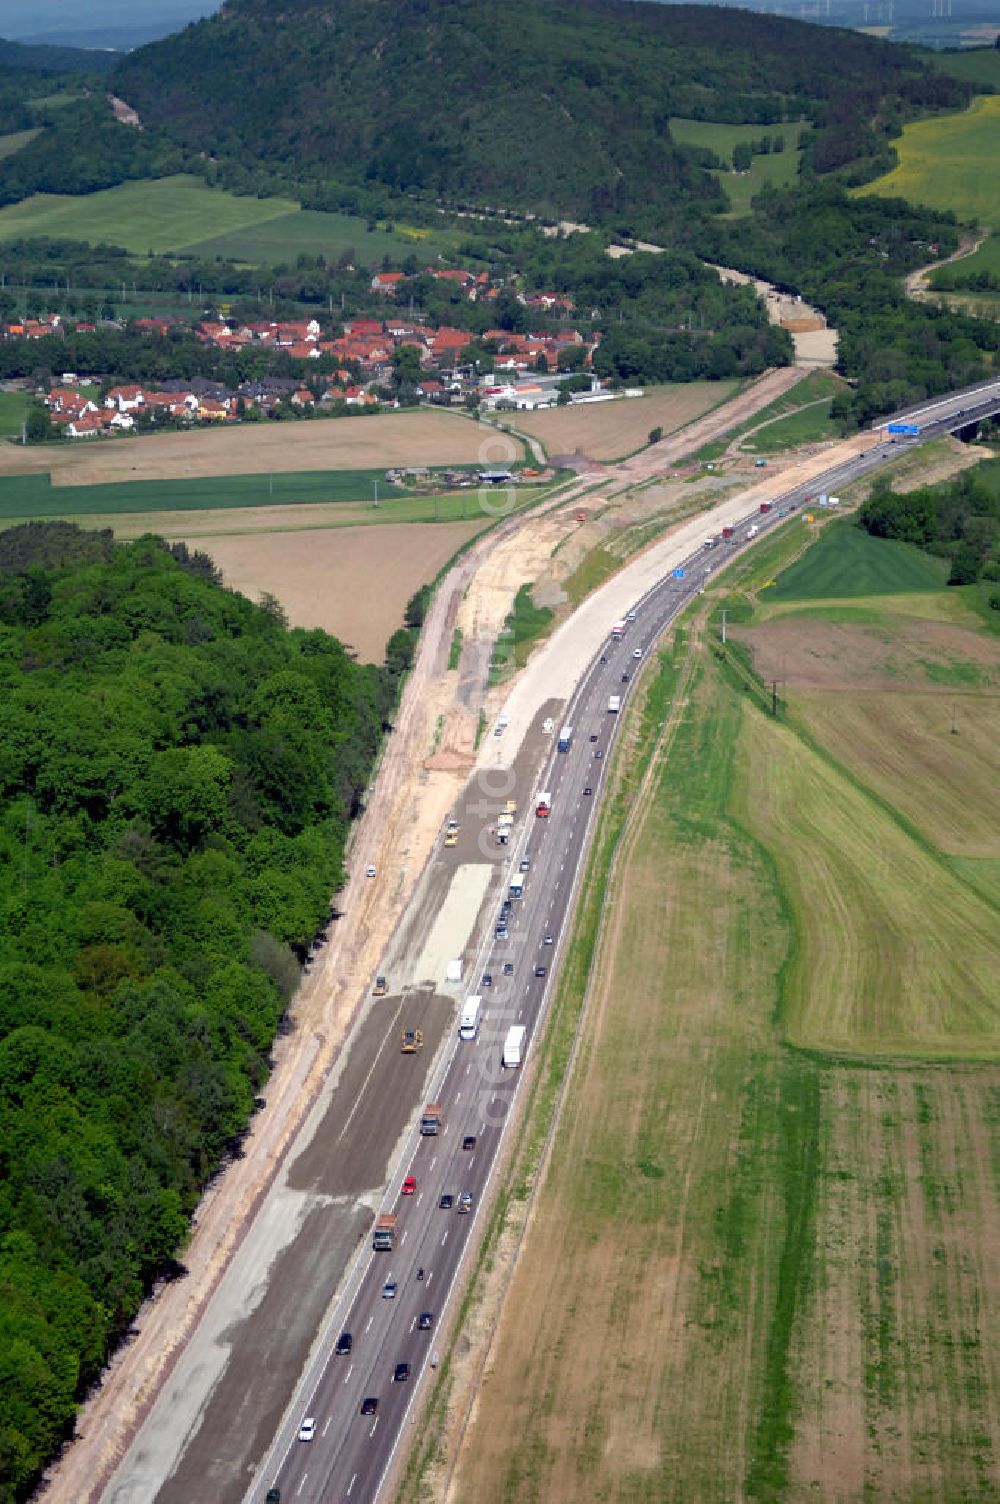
(513, 1047)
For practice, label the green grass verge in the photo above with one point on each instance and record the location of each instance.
(949, 162)
(809, 426)
(164, 215)
(596, 567)
(846, 562)
(455, 651)
(525, 624)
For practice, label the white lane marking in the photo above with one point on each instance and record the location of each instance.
(434, 1161)
(428, 1277)
(457, 1095)
(372, 1431)
(444, 1240)
(521, 1013)
(482, 1127)
(403, 1238)
(327, 1426)
(413, 1323)
(302, 1484)
(468, 1067)
(370, 1320)
(348, 1375)
(352, 1482)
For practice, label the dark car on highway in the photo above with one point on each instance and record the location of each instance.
(369, 1405)
(469, 1141)
(344, 1343)
(447, 1202)
(539, 971)
(401, 1373)
(425, 1321)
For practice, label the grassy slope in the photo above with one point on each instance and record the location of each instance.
(166, 215)
(809, 426)
(847, 562)
(778, 168)
(779, 1266)
(311, 232)
(974, 65)
(949, 162)
(13, 142)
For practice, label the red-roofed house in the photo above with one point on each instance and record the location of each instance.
(387, 283)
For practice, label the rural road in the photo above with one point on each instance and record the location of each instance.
(278, 1231)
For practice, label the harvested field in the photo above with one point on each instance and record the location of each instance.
(749, 1273)
(429, 436)
(611, 430)
(808, 652)
(894, 954)
(354, 582)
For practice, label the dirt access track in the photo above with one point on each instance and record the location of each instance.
(425, 765)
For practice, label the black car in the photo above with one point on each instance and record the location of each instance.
(588, 790)
(273, 1496)
(598, 752)
(447, 1202)
(425, 1321)
(593, 736)
(469, 1141)
(487, 979)
(604, 657)
(369, 1405)
(539, 971)
(508, 968)
(401, 1373)
(344, 1343)
(624, 678)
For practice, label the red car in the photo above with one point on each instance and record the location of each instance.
(409, 1185)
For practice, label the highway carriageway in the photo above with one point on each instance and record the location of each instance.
(351, 1454)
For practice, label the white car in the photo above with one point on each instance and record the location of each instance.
(307, 1430)
(637, 652)
(369, 872)
(630, 616)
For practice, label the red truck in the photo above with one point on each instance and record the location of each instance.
(765, 506)
(728, 532)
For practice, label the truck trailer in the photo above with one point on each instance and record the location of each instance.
(543, 805)
(614, 704)
(430, 1122)
(565, 737)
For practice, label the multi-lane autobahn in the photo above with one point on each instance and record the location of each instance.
(351, 1452)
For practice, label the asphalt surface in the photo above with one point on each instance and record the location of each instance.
(351, 1453)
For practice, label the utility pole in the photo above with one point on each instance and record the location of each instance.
(774, 699)
(375, 484)
(723, 626)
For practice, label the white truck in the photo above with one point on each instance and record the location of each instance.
(516, 889)
(614, 704)
(752, 531)
(565, 737)
(513, 1047)
(454, 973)
(468, 1024)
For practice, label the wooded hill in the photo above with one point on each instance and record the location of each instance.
(177, 772)
(558, 108)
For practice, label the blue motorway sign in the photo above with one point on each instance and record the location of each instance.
(678, 574)
(910, 428)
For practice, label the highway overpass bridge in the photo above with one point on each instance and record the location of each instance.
(959, 413)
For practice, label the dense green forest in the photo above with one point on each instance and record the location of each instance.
(959, 519)
(560, 108)
(848, 255)
(177, 774)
